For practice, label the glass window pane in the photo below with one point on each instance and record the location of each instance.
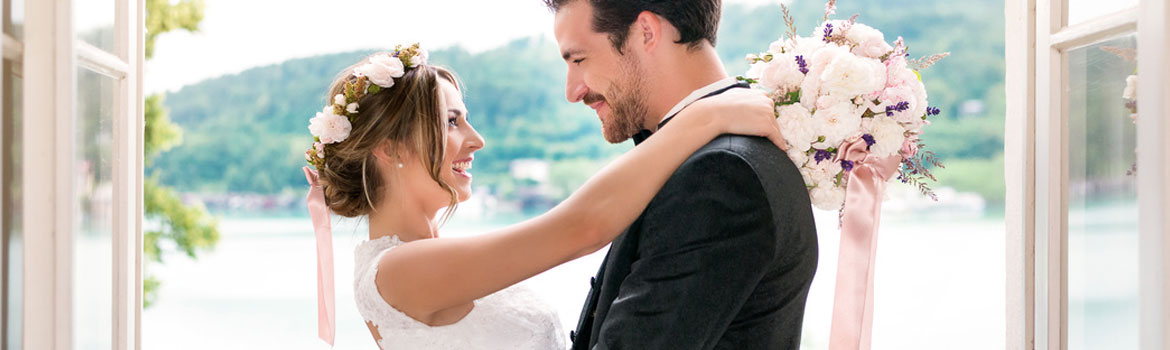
(93, 195)
(10, 210)
(1080, 11)
(14, 18)
(94, 22)
(1102, 209)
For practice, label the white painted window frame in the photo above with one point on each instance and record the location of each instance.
(52, 54)
(1037, 176)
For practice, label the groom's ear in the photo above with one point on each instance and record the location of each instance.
(648, 28)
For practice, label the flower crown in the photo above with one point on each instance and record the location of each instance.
(333, 123)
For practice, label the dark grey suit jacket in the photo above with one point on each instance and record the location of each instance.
(722, 258)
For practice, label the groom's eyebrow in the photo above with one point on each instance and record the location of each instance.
(570, 53)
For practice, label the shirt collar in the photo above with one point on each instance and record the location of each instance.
(697, 94)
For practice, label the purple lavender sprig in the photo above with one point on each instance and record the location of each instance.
(932, 111)
(869, 140)
(900, 107)
(822, 155)
(803, 65)
(828, 32)
(847, 165)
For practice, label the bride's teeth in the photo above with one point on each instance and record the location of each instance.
(461, 166)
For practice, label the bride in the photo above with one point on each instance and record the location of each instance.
(395, 145)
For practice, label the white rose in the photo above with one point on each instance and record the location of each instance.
(838, 25)
(755, 70)
(798, 156)
(421, 58)
(836, 123)
(918, 107)
(848, 75)
(339, 100)
(381, 70)
(827, 197)
(394, 64)
(329, 127)
(821, 58)
(352, 108)
(776, 47)
(870, 42)
(377, 74)
(806, 174)
(897, 73)
(796, 125)
(810, 91)
(1130, 92)
(890, 97)
(782, 73)
(803, 46)
(888, 136)
(320, 147)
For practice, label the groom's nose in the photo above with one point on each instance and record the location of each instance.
(575, 88)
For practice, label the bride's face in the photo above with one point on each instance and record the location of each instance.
(461, 140)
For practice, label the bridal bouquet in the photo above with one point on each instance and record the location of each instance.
(851, 107)
(844, 93)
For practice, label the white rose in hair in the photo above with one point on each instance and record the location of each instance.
(378, 74)
(381, 70)
(339, 100)
(421, 58)
(888, 136)
(782, 73)
(870, 42)
(397, 69)
(352, 108)
(329, 127)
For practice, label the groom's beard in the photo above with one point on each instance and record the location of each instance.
(627, 104)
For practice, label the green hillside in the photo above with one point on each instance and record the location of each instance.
(247, 132)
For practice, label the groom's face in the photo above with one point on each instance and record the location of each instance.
(610, 83)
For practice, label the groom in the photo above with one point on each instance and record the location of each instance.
(723, 256)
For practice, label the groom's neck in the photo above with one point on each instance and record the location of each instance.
(689, 71)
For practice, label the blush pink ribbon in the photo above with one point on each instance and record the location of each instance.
(319, 212)
(853, 298)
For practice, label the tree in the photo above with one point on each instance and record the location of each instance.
(189, 227)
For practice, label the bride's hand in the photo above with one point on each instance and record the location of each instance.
(742, 112)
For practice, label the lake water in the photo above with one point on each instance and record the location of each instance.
(938, 281)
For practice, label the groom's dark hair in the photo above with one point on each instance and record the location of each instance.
(696, 20)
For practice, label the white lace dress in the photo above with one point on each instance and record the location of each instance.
(513, 318)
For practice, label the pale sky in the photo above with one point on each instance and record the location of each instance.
(239, 34)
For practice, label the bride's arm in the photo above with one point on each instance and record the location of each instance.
(431, 275)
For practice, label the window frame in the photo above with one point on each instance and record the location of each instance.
(52, 54)
(1038, 38)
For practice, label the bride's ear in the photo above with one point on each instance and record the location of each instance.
(389, 154)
